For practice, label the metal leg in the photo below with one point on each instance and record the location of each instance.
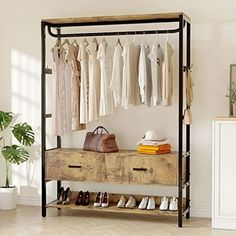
(180, 138)
(43, 121)
(188, 126)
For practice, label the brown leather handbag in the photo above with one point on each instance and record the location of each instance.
(98, 141)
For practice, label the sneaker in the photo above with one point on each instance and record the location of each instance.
(164, 204)
(121, 203)
(131, 203)
(173, 204)
(151, 204)
(143, 203)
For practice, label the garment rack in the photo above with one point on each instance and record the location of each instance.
(184, 22)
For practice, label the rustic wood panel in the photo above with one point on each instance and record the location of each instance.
(121, 18)
(118, 167)
(114, 198)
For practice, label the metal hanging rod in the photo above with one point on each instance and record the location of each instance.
(114, 33)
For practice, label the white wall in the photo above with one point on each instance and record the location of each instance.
(213, 49)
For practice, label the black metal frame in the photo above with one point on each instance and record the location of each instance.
(182, 23)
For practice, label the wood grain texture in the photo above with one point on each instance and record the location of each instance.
(122, 167)
(121, 18)
(113, 200)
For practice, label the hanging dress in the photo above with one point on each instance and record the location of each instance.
(130, 86)
(106, 99)
(156, 57)
(167, 73)
(83, 59)
(116, 78)
(61, 115)
(75, 87)
(94, 82)
(144, 76)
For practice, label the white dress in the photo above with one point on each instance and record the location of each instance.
(167, 72)
(116, 78)
(156, 57)
(94, 82)
(61, 113)
(130, 85)
(144, 76)
(83, 59)
(106, 99)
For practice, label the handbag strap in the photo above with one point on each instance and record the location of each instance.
(102, 129)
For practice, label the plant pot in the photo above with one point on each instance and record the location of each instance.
(7, 198)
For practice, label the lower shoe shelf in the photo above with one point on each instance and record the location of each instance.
(112, 208)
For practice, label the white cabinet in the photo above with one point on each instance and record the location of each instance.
(224, 173)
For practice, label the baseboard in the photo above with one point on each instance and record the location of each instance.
(224, 224)
(196, 210)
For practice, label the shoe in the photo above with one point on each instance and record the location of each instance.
(121, 203)
(80, 199)
(151, 204)
(105, 200)
(173, 204)
(86, 198)
(131, 203)
(143, 203)
(60, 196)
(98, 200)
(164, 204)
(66, 198)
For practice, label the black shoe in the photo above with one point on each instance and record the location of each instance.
(80, 199)
(60, 196)
(66, 198)
(86, 198)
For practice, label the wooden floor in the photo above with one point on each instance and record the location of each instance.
(27, 221)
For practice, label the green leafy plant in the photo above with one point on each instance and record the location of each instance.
(14, 153)
(232, 93)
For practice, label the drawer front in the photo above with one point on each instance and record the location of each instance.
(139, 169)
(151, 170)
(74, 167)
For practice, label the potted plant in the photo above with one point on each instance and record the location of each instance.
(12, 153)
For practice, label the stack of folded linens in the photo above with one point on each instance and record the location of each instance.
(153, 145)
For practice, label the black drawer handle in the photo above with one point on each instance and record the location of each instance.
(140, 169)
(72, 166)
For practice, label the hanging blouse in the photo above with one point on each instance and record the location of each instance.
(83, 58)
(144, 77)
(75, 87)
(167, 70)
(106, 99)
(156, 57)
(61, 119)
(130, 85)
(94, 81)
(116, 78)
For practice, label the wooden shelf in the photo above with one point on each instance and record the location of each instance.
(119, 18)
(112, 208)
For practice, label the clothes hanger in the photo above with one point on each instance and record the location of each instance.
(66, 41)
(75, 43)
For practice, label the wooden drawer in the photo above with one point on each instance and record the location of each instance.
(69, 164)
(123, 167)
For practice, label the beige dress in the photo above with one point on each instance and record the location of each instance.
(61, 112)
(75, 88)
